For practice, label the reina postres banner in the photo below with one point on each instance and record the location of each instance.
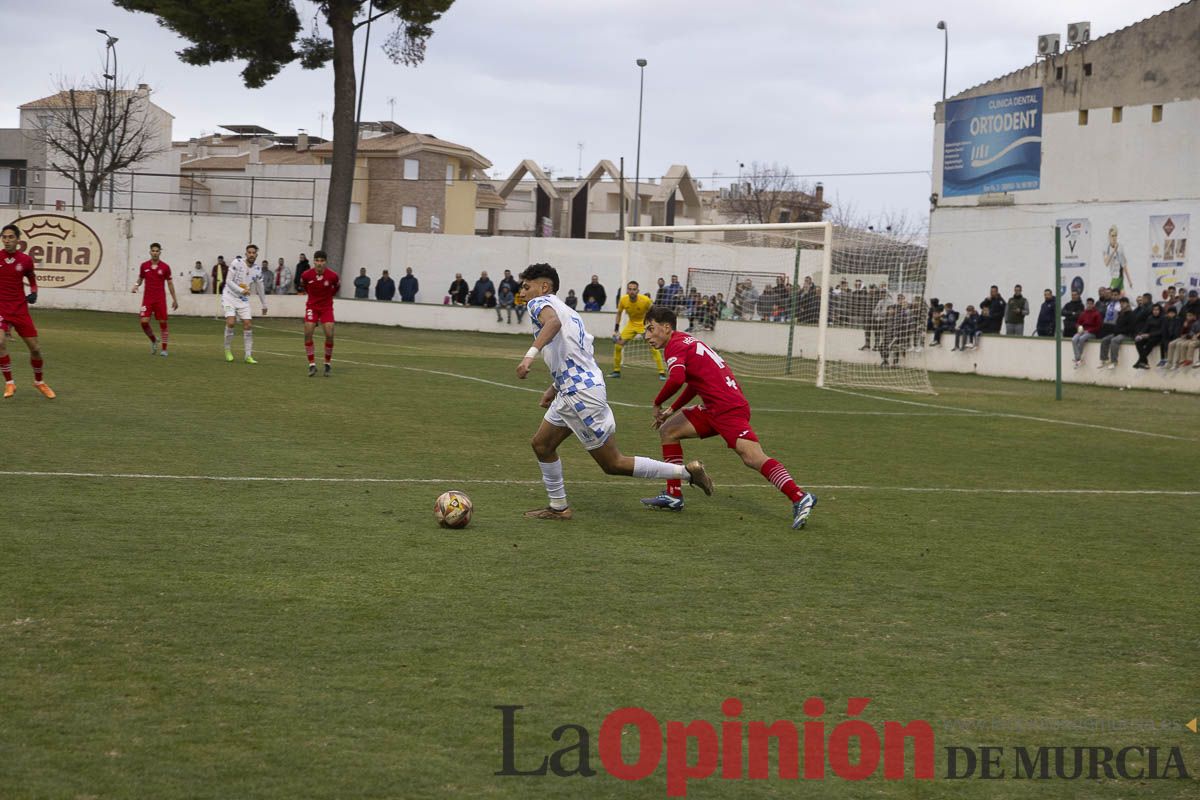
(993, 144)
(66, 251)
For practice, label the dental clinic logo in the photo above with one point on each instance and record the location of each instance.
(634, 745)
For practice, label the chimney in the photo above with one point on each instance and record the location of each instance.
(819, 193)
(143, 89)
(254, 150)
(301, 141)
(191, 148)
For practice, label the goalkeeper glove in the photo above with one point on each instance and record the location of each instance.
(31, 298)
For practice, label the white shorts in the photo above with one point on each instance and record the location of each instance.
(587, 415)
(236, 308)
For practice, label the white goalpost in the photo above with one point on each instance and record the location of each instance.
(803, 301)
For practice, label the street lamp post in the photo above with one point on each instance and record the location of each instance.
(110, 48)
(945, 56)
(637, 168)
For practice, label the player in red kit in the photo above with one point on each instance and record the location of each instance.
(15, 269)
(155, 274)
(699, 370)
(321, 284)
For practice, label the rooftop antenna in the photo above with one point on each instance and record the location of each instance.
(392, 109)
(579, 169)
(323, 115)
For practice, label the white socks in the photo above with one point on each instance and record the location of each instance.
(248, 341)
(649, 468)
(228, 337)
(552, 477)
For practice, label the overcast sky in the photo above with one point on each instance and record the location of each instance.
(822, 87)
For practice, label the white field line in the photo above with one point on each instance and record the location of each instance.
(1020, 416)
(459, 481)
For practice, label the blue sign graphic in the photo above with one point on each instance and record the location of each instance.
(993, 144)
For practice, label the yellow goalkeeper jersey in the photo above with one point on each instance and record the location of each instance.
(636, 309)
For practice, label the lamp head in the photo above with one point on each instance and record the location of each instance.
(941, 26)
(641, 62)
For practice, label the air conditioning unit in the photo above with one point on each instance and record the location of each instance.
(1048, 44)
(1079, 32)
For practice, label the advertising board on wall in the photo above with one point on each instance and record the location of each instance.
(993, 144)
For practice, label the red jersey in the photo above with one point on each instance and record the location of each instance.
(691, 361)
(15, 268)
(155, 277)
(321, 288)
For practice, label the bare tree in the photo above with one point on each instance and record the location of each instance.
(896, 225)
(766, 192)
(91, 134)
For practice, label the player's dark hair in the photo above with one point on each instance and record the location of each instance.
(320, 254)
(538, 271)
(635, 283)
(154, 245)
(252, 245)
(662, 315)
(12, 228)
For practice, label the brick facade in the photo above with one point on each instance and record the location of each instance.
(388, 192)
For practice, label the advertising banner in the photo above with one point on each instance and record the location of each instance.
(1076, 240)
(993, 144)
(1168, 251)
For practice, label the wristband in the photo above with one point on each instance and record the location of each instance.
(532, 352)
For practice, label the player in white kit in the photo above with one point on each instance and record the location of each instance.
(577, 401)
(244, 277)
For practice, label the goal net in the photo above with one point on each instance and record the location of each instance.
(804, 301)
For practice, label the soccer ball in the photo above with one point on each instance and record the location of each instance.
(453, 509)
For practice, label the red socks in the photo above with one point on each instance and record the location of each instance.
(36, 363)
(162, 335)
(146, 329)
(777, 474)
(6, 367)
(673, 454)
(328, 350)
(308, 351)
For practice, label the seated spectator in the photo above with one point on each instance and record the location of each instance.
(1148, 336)
(482, 286)
(967, 336)
(1172, 328)
(1122, 329)
(1045, 318)
(1087, 327)
(946, 322)
(1192, 303)
(198, 278)
(935, 309)
(459, 290)
(1180, 352)
(385, 287)
(571, 300)
(505, 302)
(489, 299)
(594, 295)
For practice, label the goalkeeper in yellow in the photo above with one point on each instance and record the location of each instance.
(635, 305)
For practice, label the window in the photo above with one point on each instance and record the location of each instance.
(1117, 113)
(1083, 115)
(1087, 70)
(449, 173)
(412, 169)
(1156, 113)
(785, 215)
(408, 217)
(1058, 73)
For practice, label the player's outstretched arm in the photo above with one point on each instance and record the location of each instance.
(551, 325)
(174, 299)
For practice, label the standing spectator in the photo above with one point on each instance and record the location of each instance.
(302, 266)
(947, 321)
(1086, 329)
(1018, 309)
(660, 296)
(749, 300)
(995, 314)
(409, 286)
(808, 303)
(1192, 303)
(674, 294)
(219, 271)
(1070, 314)
(1148, 336)
(385, 287)
(362, 285)
(594, 296)
(198, 278)
(505, 301)
(283, 278)
(1122, 329)
(1172, 328)
(482, 286)
(571, 300)
(459, 290)
(268, 278)
(966, 335)
(1045, 320)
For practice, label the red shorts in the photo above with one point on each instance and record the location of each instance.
(731, 425)
(18, 319)
(157, 309)
(319, 316)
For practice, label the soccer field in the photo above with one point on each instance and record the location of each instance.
(225, 581)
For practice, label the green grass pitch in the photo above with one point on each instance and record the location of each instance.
(167, 635)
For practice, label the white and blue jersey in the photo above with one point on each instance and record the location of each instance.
(582, 402)
(569, 356)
